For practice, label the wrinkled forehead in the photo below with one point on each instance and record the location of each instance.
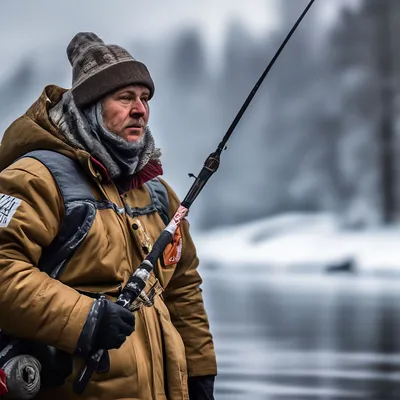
(137, 89)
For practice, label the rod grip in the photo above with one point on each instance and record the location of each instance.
(159, 246)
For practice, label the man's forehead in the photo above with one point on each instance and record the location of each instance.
(136, 88)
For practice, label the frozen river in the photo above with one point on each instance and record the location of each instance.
(304, 336)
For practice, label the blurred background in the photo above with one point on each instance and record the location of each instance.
(298, 232)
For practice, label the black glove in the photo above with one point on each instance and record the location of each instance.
(201, 387)
(115, 325)
(106, 327)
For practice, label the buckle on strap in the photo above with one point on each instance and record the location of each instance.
(146, 297)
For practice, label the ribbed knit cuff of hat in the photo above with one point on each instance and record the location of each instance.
(110, 79)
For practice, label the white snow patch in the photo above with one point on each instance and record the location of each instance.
(300, 243)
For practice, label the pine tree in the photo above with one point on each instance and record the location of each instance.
(363, 59)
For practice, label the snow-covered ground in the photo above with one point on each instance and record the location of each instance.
(301, 243)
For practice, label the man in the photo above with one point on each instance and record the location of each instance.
(163, 351)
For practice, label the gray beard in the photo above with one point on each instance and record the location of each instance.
(86, 130)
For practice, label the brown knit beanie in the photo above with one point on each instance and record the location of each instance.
(98, 69)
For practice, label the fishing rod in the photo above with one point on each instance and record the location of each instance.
(138, 279)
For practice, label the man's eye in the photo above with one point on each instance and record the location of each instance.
(125, 98)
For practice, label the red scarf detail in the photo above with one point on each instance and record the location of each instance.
(152, 169)
(3, 383)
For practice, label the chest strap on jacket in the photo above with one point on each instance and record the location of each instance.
(159, 198)
(79, 209)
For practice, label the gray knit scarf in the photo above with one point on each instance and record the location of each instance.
(85, 129)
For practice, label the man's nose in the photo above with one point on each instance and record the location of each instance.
(138, 109)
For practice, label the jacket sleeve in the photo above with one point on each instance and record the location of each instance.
(183, 297)
(33, 305)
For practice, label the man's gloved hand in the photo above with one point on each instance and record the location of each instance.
(201, 387)
(106, 327)
(115, 325)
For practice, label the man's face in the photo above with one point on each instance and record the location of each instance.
(126, 112)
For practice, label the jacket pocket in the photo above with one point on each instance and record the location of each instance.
(165, 273)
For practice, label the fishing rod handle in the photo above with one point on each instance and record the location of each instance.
(138, 279)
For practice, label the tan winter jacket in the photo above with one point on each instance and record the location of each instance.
(171, 339)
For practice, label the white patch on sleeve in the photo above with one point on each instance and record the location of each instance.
(8, 206)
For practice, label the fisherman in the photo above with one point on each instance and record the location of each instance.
(162, 349)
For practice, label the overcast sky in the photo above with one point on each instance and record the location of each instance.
(28, 24)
